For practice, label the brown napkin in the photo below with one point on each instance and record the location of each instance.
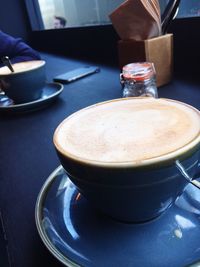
(137, 19)
(156, 7)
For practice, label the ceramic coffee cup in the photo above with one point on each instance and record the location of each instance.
(25, 84)
(132, 157)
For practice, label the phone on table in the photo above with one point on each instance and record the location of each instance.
(76, 74)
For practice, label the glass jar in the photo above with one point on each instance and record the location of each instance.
(138, 79)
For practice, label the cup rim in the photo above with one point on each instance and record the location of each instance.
(166, 158)
(42, 63)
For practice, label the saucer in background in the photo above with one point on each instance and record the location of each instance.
(49, 93)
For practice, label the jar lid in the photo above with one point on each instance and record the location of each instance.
(138, 71)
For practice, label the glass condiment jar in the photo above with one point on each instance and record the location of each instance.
(139, 79)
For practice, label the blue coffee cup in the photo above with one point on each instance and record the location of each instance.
(130, 190)
(25, 84)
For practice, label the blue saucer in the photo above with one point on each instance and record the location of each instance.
(77, 235)
(49, 93)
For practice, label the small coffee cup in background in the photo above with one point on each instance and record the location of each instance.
(25, 84)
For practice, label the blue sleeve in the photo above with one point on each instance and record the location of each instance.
(16, 49)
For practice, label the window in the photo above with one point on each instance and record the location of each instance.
(76, 13)
(50, 14)
(188, 8)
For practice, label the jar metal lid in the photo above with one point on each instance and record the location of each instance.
(138, 71)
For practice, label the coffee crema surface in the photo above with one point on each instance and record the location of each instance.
(22, 66)
(132, 129)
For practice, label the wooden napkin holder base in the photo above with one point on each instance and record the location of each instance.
(158, 50)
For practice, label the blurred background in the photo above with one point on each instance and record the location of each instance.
(80, 13)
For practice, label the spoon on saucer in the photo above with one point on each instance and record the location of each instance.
(6, 62)
(185, 174)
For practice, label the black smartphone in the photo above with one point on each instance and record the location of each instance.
(76, 74)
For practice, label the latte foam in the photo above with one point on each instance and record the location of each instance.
(22, 66)
(128, 130)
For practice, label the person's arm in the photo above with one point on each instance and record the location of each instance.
(16, 49)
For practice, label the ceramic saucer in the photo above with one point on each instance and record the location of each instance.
(77, 235)
(49, 93)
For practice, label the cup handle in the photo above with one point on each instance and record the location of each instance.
(186, 175)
